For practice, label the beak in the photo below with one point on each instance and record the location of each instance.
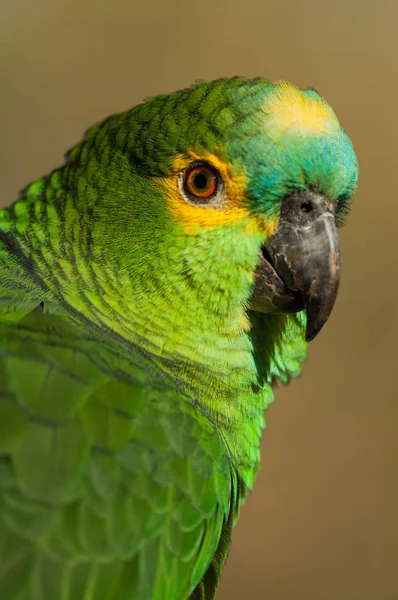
(303, 255)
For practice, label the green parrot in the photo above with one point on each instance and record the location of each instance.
(152, 289)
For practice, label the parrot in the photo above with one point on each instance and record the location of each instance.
(153, 291)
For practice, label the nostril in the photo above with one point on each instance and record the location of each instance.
(306, 207)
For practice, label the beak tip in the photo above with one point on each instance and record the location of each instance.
(310, 334)
(315, 322)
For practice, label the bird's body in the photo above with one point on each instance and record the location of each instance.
(134, 368)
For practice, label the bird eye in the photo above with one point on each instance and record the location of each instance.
(201, 183)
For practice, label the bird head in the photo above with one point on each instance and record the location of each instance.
(224, 195)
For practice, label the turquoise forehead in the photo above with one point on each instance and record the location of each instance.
(300, 160)
(291, 139)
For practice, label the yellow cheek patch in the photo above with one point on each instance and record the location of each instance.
(293, 108)
(193, 218)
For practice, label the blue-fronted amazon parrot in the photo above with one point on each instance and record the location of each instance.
(152, 289)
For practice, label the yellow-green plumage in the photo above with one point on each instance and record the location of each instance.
(133, 371)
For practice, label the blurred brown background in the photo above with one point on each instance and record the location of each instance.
(322, 523)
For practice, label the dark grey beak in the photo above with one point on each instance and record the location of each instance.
(304, 255)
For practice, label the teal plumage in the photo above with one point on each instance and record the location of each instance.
(134, 372)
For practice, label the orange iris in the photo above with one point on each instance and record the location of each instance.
(201, 181)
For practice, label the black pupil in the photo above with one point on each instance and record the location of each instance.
(201, 180)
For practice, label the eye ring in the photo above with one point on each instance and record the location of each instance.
(201, 182)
